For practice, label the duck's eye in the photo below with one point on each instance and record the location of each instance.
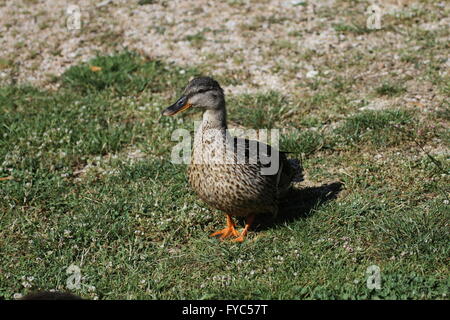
(202, 90)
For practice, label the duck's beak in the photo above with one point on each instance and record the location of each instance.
(181, 105)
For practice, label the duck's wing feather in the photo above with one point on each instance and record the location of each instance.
(255, 152)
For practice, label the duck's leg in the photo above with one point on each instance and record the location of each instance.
(229, 231)
(248, 223)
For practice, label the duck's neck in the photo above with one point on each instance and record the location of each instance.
(215, 119)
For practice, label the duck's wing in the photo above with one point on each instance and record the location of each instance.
(255, 152)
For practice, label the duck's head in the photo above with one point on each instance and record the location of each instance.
(202, 92)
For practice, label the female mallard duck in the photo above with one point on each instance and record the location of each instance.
(228, 173)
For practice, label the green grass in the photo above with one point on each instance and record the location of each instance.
(196, 40)
(262, 110)
(144, 2)
(389, 89)
(302, 142)
(352, 28)
(74, 194)
(124, 74)
(380, 128)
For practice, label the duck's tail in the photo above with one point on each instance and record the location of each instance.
(298, 170)
(291, 171)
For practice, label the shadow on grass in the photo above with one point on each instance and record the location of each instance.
(300, 203)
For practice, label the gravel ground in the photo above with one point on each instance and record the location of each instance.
(255, 45)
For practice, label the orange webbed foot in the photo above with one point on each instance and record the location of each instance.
(229, 231)
(225, 233)
(239, 239)
(248, 223)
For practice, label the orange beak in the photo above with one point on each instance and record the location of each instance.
(179, 106)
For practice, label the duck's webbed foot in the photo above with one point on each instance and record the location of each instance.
(229, 231)
(248, 223)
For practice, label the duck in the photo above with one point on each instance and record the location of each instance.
(237, 176)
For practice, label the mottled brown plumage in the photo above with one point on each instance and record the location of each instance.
(229, 173)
